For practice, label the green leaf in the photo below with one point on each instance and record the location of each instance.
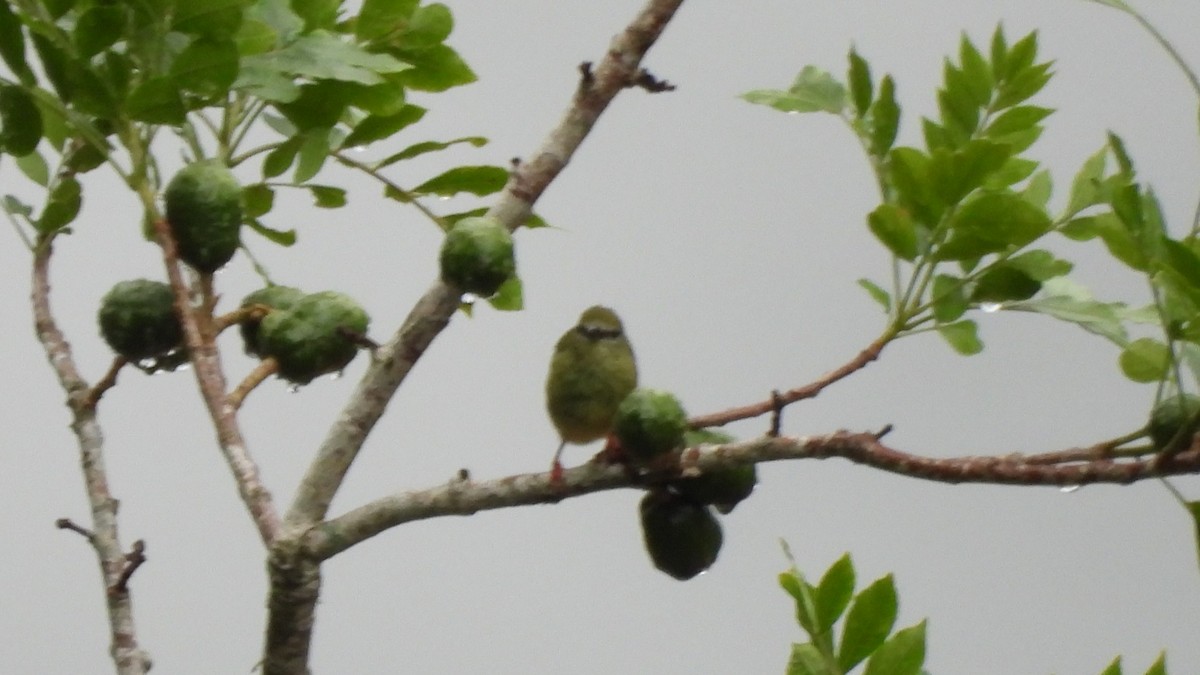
(957, 174)
(20, 121)
(949, 300)
(910, 172)
(16, 207)
(1015, 170)
(281, 237)
(885, 118)
(156, 101)
(62, 207)
(1123, 161)
(1159, 667)
(216, 18)
(1069, 302)
(207, 66)
(56, 64)
(1145, 360)
(255, 37)
(861, 87)
(868, 623)
(34, 167)
(317, 13)
(280, 159)
(374, 127)
(1040, 265)
(834, 592)
(956, 102)
(877, 294)
(1112, 232)
(993, 222)
(892, 226)
(327, 196)
(806, 659)
(320, 55)
(1085, 188)
(424, 147)
(903, 654)
(1021, 56)
(510, 297)
(1003, 282)
(1025, 85)
(320, 105)
(314, 150)
(1038, 191)
(436, 68)
(378, 18)
(98, 28)
(962, 336)
(976, 71)
(257, 200)
(814, 90)
(12, 45)
(802, 594)
(1019, 118)
(430, 25)
(999, 52)
(1113, 668)
(477, 180)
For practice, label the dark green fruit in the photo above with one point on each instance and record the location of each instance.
(137, 319)
(204, 210)
(682, 537)
(649, 423)
(723, 488)
(477, 256)
(313, 336)
(275, 297)
(1169, 416)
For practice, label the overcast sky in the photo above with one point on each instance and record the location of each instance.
(729, 237)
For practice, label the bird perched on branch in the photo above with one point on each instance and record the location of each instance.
(591, 372)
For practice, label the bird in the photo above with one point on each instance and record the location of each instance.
(593, 369)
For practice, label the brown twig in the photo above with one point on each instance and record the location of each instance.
(266, 368)
(776, 413)
(127, 655)
(253, 312)
(790, 396)
(652, 84)
(107, 382)
(68, 524)
(206, 362)
(133, 560)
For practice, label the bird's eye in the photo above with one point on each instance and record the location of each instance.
(598, 332)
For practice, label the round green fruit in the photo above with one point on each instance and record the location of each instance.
(137, 319)
(313, 336)
(683, 538)
(204, 211)
(649, 423)
(275, 297)
(1169, 416)
(477, 256)
(723, 488)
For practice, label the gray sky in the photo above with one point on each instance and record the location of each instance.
(729, 237)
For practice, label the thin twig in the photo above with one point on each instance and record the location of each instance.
(778, 400)
(206, 362)
(266, 368)
(133, 560)
(107, 382)
(68, 524)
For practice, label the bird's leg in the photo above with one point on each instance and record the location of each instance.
(556, 468)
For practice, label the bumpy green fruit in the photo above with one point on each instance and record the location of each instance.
(682, 537)
(723, 488)
(477, 256)
(649, 423)
(309, 338)
(275, 297)
(204, 210)
(1169, 416)
(137, 319)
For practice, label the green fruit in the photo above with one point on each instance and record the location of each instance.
(1169, 416)
(137, 319)
(275, 297)
(723, 488)
(310, 338)
(682, 538)
(477, 256)
(649, 423)
(204, 210)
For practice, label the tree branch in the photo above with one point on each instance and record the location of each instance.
(104, 536)
(463, 497)
(778, 400)
(200, 338)
(394, 360)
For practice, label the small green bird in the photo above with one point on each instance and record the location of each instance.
(592, 371)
